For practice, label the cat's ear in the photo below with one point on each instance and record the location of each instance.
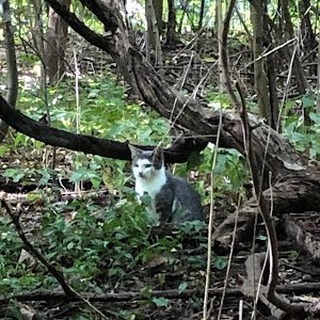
(157, 155)
(134, 150)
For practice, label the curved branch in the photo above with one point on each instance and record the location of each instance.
(107, 18)
(102, 42)
(186, 111)
(179, 151)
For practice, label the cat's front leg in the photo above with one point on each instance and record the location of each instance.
(163, 205)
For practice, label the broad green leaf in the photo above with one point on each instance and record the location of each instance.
(314, 117)
(220, 262)
(182, 286)
(160, 302)
(145, 199)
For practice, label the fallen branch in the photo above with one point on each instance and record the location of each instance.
(297, 288)
(179, 151)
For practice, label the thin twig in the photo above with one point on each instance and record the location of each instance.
(234, 235)
(211, 213)
(264, 211)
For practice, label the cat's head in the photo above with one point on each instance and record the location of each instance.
(146, 163)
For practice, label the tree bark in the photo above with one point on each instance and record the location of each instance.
(201, 14)
(180, 150)
(171, 28)
(153, 46)
(55, 44)
(158, 10)
(297, 67)
(258, 10)
(307, 35)
(12, 70)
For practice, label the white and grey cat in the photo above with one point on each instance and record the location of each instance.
(172, 199)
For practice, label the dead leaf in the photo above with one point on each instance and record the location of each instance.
(26, 258)
(156, 261)
(27, 311)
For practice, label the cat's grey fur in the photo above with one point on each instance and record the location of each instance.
(172, 199)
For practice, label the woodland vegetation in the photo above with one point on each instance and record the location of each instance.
(231, 89)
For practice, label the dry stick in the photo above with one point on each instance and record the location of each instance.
(225, 75)
(192, 96)
(224, 57)
(240, 309)
(286, 88)
(30, 249)
(257, 293)
(261, 201)
(267, 53)
(184, 78)
(77, 185)
(259, 284)
(318, 78)
(70, 293)
(214, 161)
(265, 213)
(230, 260)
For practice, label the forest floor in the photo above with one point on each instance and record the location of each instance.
(166, 284)
(82, 224)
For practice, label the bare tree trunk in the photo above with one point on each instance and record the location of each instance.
(153, 46)
(201, 14)
(158, 9)
(216, 17)
(12, 72)
(55, 45)
(258, 9)
(171, 28)
(297, 67)
(272, 81)
(307, 35)
(219, 17)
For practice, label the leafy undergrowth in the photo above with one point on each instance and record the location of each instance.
(83, 218)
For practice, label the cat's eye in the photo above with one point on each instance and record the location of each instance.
(149, 165)
(135, 165)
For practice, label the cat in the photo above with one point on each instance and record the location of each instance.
(172, 199)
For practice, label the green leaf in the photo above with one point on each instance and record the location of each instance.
(315, 117)
(15, 174)
(96, 182)
(182, 286)
(220, 262)
(160, 302)
(308, 101)
(70, 245)
(145, 199)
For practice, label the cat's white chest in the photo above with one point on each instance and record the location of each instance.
(150, 186)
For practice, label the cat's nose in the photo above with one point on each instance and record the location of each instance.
(141, 175)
